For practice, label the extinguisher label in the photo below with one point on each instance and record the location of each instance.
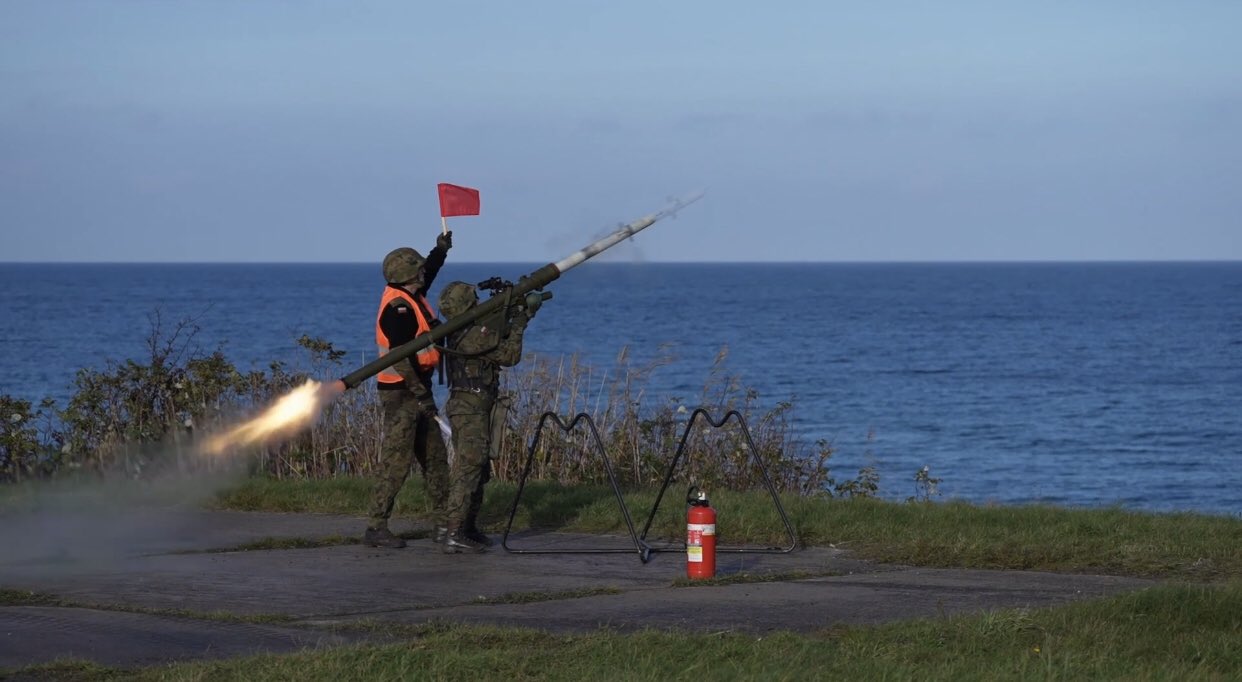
(704, 528)
(694, 555)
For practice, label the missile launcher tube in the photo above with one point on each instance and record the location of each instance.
(526, 284)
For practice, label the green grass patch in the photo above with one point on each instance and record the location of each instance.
(9, 597)
(951, 535)
(533, 597)
(746, 578)
(69, 670)
(345, 495)
(1034, 537)
(1176, 632)
(27, 598)
(265, 544)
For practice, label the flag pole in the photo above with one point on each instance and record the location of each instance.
(443, 225)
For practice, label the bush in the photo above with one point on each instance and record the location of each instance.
(134, 415)
(641, 437)
(20, 446)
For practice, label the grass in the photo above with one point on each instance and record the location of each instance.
(9, 597)
(1186, 631)
(27, 598)
(533, 597)
(1034, 537)
(748, 578)
(1174, 632)
(950, 535)
(343, 495)
(130, 417)
(266, 544)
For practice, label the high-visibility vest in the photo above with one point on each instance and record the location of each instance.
(427, 358)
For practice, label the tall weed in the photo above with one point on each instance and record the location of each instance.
(135, 415)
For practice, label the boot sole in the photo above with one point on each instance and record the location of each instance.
(453, 549)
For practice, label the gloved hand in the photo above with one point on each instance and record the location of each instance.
(534, 300)
(520, 319)
(445, 240)
(427, 406)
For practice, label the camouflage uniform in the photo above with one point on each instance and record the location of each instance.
(409, 434)
(474, 357)
(410, 430)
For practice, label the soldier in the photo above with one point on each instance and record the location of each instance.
(410, 429)
(474, 357)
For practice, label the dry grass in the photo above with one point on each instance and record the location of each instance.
(136, 418)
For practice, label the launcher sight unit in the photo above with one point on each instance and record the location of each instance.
(494, 285)
(499, 286)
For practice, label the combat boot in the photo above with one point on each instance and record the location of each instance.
(473, 533)
(457, 542)
(382, 537)
(438, 534)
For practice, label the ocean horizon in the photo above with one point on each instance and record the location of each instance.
(602, 259)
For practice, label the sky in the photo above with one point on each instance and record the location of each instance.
(312, 131)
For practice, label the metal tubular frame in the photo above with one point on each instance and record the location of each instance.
(640, 540)
(644, 551)
(767, 481)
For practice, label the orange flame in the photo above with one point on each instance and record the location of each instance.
(291, 413)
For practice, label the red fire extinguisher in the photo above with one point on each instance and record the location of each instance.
(700, 536)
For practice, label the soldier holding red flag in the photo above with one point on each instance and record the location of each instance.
(410, 414)
(410, 429)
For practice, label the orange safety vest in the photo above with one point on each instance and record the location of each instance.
(427, 358)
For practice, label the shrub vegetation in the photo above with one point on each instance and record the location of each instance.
(134, 415)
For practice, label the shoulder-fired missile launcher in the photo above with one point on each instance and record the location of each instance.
(528, 291)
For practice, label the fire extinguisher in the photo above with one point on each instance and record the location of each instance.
(700, 536)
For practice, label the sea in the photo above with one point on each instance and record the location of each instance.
(1076, 384)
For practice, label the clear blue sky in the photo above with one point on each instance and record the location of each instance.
(317, 131)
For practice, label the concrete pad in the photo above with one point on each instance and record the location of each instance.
(354, 579)
(35, 634)
(803, 605)
(417, 584)
(90, 537)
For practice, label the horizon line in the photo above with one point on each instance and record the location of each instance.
(999, 261)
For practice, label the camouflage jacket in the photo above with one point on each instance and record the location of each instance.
(476, 354)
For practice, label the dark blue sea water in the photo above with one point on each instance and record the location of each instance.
(1080, 384)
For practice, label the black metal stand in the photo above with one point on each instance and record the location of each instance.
(644, 552)
(640, 540)
(767, 481)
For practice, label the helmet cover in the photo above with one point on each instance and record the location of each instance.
(457, 298)
(402, 265)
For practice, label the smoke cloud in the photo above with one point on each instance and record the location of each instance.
(97, 522)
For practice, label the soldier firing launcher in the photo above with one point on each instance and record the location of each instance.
(528, 290)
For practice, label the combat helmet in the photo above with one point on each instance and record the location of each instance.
(457, 298)
(402, 265)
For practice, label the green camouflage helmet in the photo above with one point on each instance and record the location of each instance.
(402, 265)
(457, 298)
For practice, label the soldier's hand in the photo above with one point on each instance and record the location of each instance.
(427, 406)
(445, 240)
(534, 300)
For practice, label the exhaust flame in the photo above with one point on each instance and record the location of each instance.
(295, 411)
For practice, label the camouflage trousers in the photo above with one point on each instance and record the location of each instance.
(409, 436)
(478, 422)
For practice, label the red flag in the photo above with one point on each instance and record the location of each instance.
(457, 200)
